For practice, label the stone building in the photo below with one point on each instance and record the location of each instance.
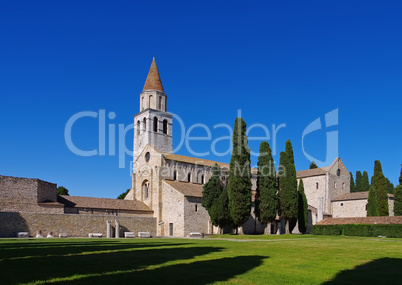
(165, 198)
(32, 205)
(171, 185)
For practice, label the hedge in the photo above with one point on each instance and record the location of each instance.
(363, 230)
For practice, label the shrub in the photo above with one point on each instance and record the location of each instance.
(363, 230)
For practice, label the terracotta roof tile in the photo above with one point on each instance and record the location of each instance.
(102, 203)
(199, 161)
(193, 160)
(186, 188)
(153, 81)
(311, 172)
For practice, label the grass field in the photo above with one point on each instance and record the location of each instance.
(285, 259)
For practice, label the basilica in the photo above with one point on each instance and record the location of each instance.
(165, 198)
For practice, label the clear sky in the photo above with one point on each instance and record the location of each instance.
(279, 62)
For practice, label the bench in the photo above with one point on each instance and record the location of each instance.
(129, 234)
(196, 235)
(144, 234)
(63, 235)
(95, 235)
(23, 234)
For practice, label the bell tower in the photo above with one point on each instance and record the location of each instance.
(153, 125)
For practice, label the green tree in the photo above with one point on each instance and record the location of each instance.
(380, 185)
(390, 187)
(266, 202)
(302, 215)
(239, 181)
(288, 187)
(212, 189)
(400, 178)
(364, 183)
(220, 215)
(398, 201)
(372, 203)
(358, 181)
(61, 190)
(123, 195)
(352, 183)
(313, 165)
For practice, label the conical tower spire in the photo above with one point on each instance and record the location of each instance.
(153, 81)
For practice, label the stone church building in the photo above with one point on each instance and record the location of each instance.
(165, 198)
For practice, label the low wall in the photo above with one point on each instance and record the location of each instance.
(73, 225)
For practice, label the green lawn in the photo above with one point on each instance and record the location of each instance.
(285, 259)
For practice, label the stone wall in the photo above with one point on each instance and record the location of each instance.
(349, 208)
(172, 211)
(312, 190)
(337, 184)
(196, 217)
(23, 194)
(355, 208)
(73, 225)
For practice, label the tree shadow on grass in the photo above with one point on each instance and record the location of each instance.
(38, 249)
(380, 271)
(26, 270)
(195, 273)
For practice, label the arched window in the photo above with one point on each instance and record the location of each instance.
(189, 177)
(145, 189)
(150, 100)
(160, 102)
(196, 207)
(165, 126)
(142, 103)
(202, 178)
(138, 127)
(155, 124)
(175, 175)
(144, 124)
(316, 185)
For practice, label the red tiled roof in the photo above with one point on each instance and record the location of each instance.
(102, 203)
(153, 81)
(186, 188)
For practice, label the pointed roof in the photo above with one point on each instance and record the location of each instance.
(153, 81)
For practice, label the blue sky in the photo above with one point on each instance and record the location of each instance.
(280, 62)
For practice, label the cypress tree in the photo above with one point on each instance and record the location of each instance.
(352, 183)
(390, 187)
(372, 203)
(380, 185)
(398, 201)
(212, 189)
(358, 181)
(364, 183)
(220, 215)
(288, 186)
(400, 177)
(266, 202)
(239, 181)
(302, 215)
(313, 165)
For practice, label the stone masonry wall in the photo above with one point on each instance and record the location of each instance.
(73, 225)
(23, 194)
(172, 210)
(196, 217)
